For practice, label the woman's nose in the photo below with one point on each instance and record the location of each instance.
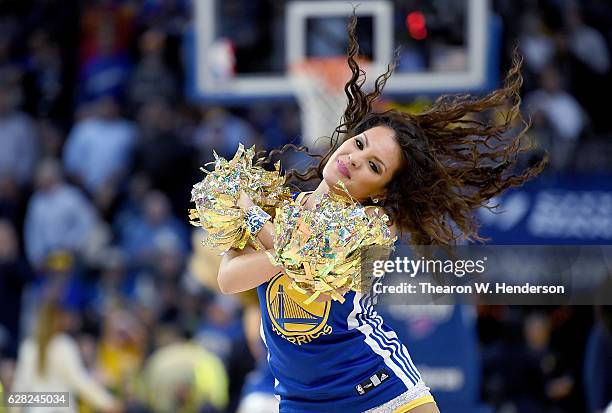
(352, 160)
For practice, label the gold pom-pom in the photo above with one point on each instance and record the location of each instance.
(320, 248)
(216, 198)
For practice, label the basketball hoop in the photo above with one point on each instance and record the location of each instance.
(318, 84)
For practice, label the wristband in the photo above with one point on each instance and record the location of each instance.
(255, 218)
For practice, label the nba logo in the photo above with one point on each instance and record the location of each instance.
(360, 389)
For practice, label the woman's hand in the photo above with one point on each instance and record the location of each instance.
(266, 234)
(244, 201)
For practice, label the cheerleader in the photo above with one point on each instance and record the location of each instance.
(428, 172)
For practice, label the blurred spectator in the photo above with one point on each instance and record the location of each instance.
(598, 362)
(190, 308)
(50, 361)
(258, 392)
(7, 374)
(557, 111)
(221, 131)
(174, 303)
(586, 57)
(12, 200)
(530, 376)
(172, 16)
(131, 206)
(236, 342)
(121, 348)
(141, 235)
(277, 125)
(161, 154)
(59, 217)
(586, 43)
(114, 285)
(220, 328)
(44, 74)
(18, 138)
(151, 79)
(169, 260)
(537, 46)
(51, 138)
(183, 377)
(14, 275)
(116, 16)
(105, 67)
(11, 71)
(203, 264)
(98, 150)
(222, 332)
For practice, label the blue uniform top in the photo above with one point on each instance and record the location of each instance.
(331, 356)
(328, 356)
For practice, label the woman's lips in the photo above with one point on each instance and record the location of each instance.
(343, 169)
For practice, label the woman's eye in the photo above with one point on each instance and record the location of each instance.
(359, 143)
(373, 166)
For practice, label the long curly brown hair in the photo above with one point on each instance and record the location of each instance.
(452, 165)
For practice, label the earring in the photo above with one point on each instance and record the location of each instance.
(375, 200)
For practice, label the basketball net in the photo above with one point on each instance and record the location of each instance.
(318, 85)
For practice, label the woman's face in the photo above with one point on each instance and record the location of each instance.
(365, 163)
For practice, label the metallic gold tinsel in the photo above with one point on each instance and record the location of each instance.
(216, 198)
(320, 249)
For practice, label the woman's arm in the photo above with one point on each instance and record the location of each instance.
(244, 270)
(266, 234)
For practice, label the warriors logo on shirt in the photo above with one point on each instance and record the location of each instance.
(293, 320)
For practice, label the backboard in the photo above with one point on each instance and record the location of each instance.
(239, 52)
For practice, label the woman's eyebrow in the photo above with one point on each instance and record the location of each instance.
(365, 138)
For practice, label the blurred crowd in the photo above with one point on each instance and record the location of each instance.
(99, 149)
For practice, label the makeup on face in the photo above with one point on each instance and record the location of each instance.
(365, 163)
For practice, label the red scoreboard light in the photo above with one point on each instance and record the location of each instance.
(416, 25)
